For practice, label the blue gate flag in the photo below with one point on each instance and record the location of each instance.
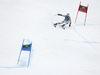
(26, 47)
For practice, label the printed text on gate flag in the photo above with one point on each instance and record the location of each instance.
(83, 9)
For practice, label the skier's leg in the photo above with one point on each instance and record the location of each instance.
(59, 23)
(65, 23)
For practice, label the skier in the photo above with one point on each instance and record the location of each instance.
(66, 21)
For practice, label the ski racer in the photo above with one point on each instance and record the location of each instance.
(66, 21)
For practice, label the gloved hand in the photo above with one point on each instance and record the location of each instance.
(69, 25)
(59, 14)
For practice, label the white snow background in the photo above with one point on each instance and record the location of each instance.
(73, 51)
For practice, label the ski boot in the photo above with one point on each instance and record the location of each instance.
(55, 24)
(63, 26)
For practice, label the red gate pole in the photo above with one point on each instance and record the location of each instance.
(76, 16)
(77, 13)
(85, 16)
(85, 19)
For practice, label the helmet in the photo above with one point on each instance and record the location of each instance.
(67, 14)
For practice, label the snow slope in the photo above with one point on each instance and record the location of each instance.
(74, 51)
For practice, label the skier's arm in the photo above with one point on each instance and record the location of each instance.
(70, 21)
(61, 15)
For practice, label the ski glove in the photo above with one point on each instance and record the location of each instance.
(59, 14)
